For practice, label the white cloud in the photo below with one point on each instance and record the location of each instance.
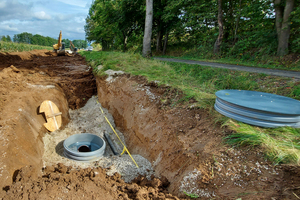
(88, 5)
(2, 4)
(6, 27)
(79, 19)
(80, 30)
(79, 3)
(12, 9)
(42, 15)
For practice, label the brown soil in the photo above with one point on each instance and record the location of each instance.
(61, 182)
(183, 143)
(68, 72)
(186, 146)
(26, 80)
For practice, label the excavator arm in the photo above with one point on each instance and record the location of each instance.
(59, 48)
(72, 47)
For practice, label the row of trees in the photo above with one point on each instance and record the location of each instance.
(77, 43)
(37, 39)
(223, 26)
(5, 39)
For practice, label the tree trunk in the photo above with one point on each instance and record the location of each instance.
(221, 30)
(104, 46)
(159, 36)
(124, 42)
(158, 41)
(148, 29)
(165, 43)
(283, 25)
(237, 22)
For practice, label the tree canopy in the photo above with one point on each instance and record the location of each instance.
(249, 26)
(113, 23)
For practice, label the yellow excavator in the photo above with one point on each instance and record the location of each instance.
(59, 48)
(73, 48)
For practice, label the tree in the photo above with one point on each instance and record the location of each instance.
(240, 28)
(67, 42)
(23, 38)
(38, 40)
(79, 43)
(283, 13)
(8, 39)
(166, 19)
(113, 23)
(221, 30)
(3, 38)
(148, 29)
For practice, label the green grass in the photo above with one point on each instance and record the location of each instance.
(262, 61)
(201, 83)
(18, 47)
(191, 195)
(281, 145)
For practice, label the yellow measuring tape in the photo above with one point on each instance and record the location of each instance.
(124, 149)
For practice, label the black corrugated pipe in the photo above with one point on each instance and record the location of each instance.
(111, 144)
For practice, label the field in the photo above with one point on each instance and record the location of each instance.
(19, 47)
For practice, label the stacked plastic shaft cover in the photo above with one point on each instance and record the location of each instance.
(258, 108)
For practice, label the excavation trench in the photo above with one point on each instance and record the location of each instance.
(180, 145)
(28, 79)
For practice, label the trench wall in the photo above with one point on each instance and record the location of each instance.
(23, 130)
(149, 130)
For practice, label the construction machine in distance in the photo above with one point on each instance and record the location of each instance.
(59, 48)
(73, 48)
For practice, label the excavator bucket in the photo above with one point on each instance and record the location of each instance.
(61, 51)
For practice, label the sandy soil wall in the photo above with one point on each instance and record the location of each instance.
(160, 135)
(21, 124)
(26, 80)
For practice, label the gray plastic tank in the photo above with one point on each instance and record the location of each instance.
(84, 147)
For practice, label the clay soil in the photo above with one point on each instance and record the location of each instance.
(26, 80)
(183, 143)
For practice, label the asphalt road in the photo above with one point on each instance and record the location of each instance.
(274, 72)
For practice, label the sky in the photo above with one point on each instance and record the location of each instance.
(44, 17)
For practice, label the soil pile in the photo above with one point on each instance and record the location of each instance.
(69, 73)
(61, 182)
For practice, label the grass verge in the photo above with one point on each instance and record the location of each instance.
(281, 145)
(288, 62)
(18, 47)
(199, 82)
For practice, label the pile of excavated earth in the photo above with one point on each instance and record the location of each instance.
(179, 151)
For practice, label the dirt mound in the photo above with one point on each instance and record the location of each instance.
(61, 182)
(70, 73)
(9, 58)
(27, 55)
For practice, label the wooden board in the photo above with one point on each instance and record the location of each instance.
(53, 115)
